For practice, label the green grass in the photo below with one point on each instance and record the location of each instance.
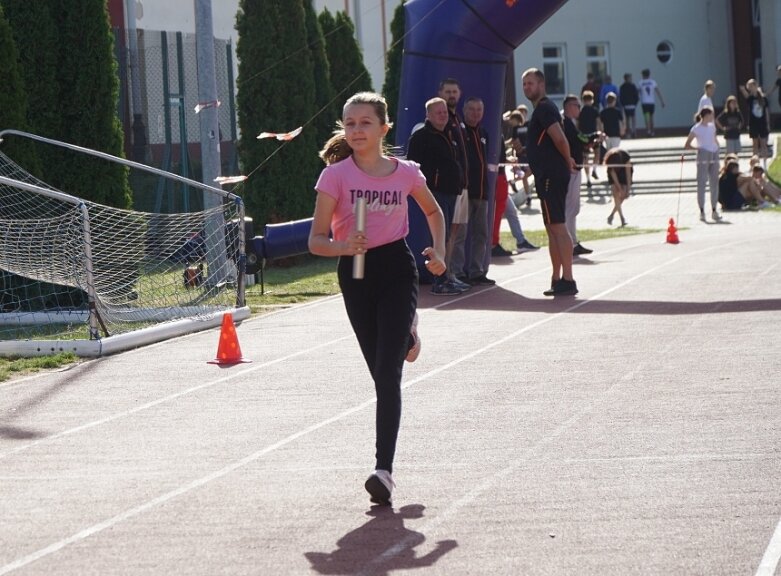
(296, 280)
(23, 366)
(774, 170)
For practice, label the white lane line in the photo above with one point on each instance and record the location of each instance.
(170, 397)
(769, 563)
(130, 513)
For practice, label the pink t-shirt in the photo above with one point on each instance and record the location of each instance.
(386, 199)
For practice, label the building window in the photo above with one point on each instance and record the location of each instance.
(664, 52)
(554, 69)
(597, 61)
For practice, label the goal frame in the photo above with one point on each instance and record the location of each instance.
(96, 345)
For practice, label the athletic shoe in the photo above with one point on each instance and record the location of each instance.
(764, 204)
(414, 341)
(460, 284)
(579, 250)
(380, 485)
(445, 289)
(702, 217)
(716, 216)
(482, 280)
(526, 246)
(499, 251)
(562, 288)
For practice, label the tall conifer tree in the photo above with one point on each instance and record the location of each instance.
(392, 85)
(87, 102)
(348, 72)
(13, 102)
(326, 108)
(276, 94)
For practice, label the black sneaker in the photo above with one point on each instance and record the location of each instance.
(562, 288)
(526, 246)
(481, 281)
(499, 250)
(579, 250)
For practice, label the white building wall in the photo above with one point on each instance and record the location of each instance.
(698, 30)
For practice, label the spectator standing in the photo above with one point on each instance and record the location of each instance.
(649, 90)
(380, 306)
(592, 85)
(436, 154)
(577, 143)
(474, 271)
(758, 118)
(551, 163)
(628, 97)
(450, 92)
(619, 174)
(606, 88)
(776, 86)
(519, 131)
(505, 208)
(588, 123)
(702, 137)
(706, 100)
(730, 121)
(612, 122)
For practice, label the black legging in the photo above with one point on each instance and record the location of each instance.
(380, 308)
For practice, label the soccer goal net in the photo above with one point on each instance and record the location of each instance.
(90, 279)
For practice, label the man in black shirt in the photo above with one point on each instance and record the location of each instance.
(628, 97)
(551, 163)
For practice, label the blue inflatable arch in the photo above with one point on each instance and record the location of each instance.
(471, 41)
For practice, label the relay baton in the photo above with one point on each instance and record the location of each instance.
(359, 260)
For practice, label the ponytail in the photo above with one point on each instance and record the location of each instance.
(336, 148)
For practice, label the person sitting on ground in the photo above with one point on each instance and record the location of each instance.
(736, 190)
(769, 190)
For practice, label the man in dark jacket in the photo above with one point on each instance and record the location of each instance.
(476, 142)
(434, 151)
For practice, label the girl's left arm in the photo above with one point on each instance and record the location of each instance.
(436, 223)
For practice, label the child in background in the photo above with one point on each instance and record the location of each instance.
(730, 121)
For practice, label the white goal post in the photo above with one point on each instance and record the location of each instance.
(81, 277)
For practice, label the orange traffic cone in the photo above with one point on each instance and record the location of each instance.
(228, 351)
(672, 233)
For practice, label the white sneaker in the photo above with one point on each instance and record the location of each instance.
(716, 216)
(380, 485)
(414, 350)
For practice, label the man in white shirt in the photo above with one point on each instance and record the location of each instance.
(706, 100)
(649, 90)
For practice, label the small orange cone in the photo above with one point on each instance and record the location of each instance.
(672, 233)
(228, 351)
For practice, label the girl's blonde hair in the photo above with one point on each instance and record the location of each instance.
(336, 148)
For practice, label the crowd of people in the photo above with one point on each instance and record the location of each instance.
(726, 184)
